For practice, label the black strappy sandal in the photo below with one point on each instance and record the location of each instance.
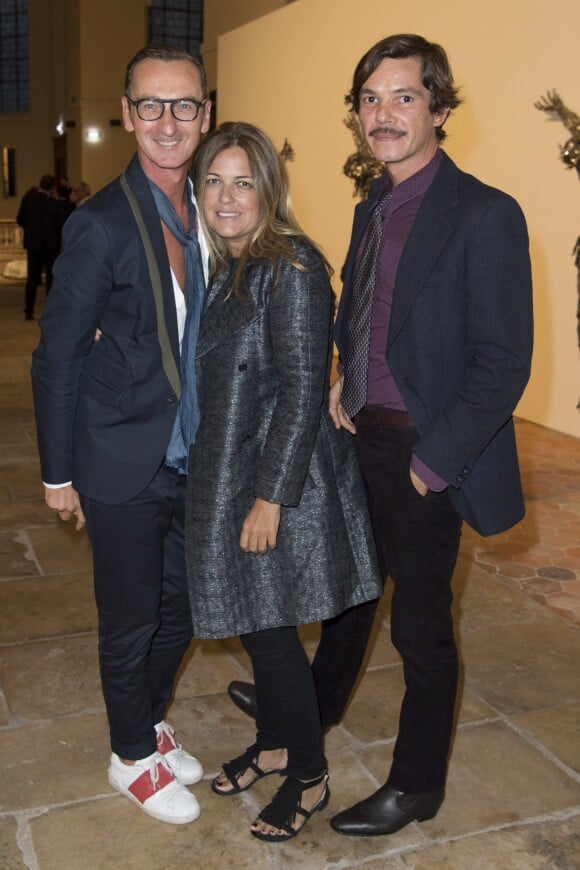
(286, 806)
(238, 766)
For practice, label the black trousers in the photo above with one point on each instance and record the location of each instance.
(36, 261)
(288, 714)
(143, 607)
(418, 542)
(338, 659)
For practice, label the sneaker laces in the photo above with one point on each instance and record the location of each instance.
(171, 791)
(166, 731)
(154, 764)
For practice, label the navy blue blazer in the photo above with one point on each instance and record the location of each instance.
(460, 338)
(105, 409)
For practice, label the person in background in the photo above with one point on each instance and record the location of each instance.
(41, 218)
(80, 192)
(277, 532)
(116, 412)
(64, 189)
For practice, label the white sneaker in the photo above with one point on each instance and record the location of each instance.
(185, 767)
(151, 785)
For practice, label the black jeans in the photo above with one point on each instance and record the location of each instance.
(288, 713)
(418, 542)
(143, 607)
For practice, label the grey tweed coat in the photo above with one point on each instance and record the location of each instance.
(263, 366)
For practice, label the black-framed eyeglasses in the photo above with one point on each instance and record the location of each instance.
(151, 109)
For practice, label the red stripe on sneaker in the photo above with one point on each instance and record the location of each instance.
(143, 787)
(165, 743)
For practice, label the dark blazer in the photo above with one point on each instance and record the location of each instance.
(105, 409)
(41, 217)
(460, 338)
(265, 431)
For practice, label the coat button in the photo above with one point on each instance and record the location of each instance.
(172, 400)
(242, 367)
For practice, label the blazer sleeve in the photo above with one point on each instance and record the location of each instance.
(81, 286)
(496, 287)
(300, 315)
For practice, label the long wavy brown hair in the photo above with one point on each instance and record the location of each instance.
(277, 227)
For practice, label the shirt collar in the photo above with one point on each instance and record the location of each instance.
(415, 185)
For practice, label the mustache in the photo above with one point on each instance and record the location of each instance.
(389, 131)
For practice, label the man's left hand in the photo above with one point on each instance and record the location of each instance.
(421, 487)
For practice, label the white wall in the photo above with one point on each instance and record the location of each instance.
(289, 70)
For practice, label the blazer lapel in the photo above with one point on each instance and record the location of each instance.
(140, 188)
(222, 316)
(432, 227)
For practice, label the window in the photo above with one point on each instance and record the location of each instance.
(14, 76)
(178, 23)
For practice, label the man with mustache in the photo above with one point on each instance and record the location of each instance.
(435, 336)
(434, 332)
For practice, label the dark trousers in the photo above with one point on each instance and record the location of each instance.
(36, 262)
(338, 659)
(418, 542)
(143, 607)
(288, 714)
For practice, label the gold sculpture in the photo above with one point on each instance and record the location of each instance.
(553, 104)
(361, 166)
(287, 151)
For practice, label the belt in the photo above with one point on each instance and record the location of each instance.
(382, 418)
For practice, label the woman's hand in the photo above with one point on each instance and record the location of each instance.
(260, 528)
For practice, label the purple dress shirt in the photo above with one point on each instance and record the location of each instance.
(399, 213)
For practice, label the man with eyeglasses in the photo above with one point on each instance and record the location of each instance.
(116, 412)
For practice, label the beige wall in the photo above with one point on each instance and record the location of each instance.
(220, 16)
(288, 72)
(78, 53)
(31, 134)
(109, 41)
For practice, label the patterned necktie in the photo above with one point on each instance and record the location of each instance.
(358, 327)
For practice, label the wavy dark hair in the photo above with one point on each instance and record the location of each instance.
(436, 72)
(277, 225)
(165, 53)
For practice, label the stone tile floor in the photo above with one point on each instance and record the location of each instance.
(513, 797)
(541, 555)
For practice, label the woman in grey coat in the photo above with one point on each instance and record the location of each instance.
(277, 530)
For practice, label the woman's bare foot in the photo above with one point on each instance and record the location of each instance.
(267, 760)
(310, 798)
